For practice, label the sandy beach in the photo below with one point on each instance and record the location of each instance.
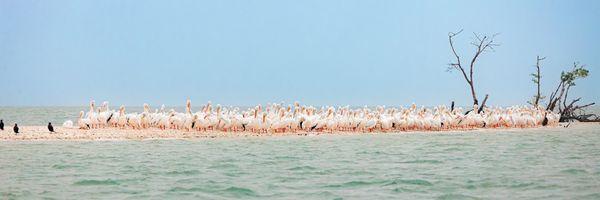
(30, 133)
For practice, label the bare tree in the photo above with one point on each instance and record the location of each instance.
(482, 44)
(536, 79)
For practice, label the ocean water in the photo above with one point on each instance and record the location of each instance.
(560, 163)
(554, 163)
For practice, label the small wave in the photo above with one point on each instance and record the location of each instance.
(437, 144)
(556, 141)
(185, 172)
(235, 174)
(402, 190)
(324, 172)
(96, 182)
(591, 196)
(423, 161)
(61, 166)
(521, 185)
(301, 168)
(358, 173)
(44, 192)
(372, 153)
(223, 166)
(133, 192)
(181, 189)
(574, 171)
(547, 187)
(249, 155)
(456, 196)
(321, 195)
(354, 184)
(487, 184)
(14, 194)
(410, 182)
(286, 158)
(494, 185)
(452, 149)
(188, 180)
(240, 192)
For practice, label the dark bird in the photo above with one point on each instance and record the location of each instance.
(50, 128)
(545, 121)
(16, 129)
(1, 125)
(312, 128)
(110, 117)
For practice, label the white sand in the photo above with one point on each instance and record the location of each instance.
(42, 133)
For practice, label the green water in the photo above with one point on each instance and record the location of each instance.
(560, 163)
(557, 163)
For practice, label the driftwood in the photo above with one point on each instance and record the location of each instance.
(483, 103)
(580, 117)
(559, 101)
(480, 109)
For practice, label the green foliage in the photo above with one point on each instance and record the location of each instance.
(577, 72)
(535, 78)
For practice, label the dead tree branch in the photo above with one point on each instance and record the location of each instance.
(482, 44)
(559, 99)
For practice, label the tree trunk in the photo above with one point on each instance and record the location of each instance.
(475, 102)
(538, 78)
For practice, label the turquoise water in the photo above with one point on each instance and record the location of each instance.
(560, 163)
(556, 163)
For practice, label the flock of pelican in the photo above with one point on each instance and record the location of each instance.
(277, 118)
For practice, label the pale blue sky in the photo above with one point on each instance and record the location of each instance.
(318, 52)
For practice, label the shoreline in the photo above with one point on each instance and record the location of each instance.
(40, 133)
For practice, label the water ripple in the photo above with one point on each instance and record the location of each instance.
(410, 182)
(239, 192)
(574, 171)
(354, 184)
(495, 165)
(89, 182)
(422, 161)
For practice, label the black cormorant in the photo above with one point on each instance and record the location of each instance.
(50, 128)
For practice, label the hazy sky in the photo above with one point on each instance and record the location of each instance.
(318, 52)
